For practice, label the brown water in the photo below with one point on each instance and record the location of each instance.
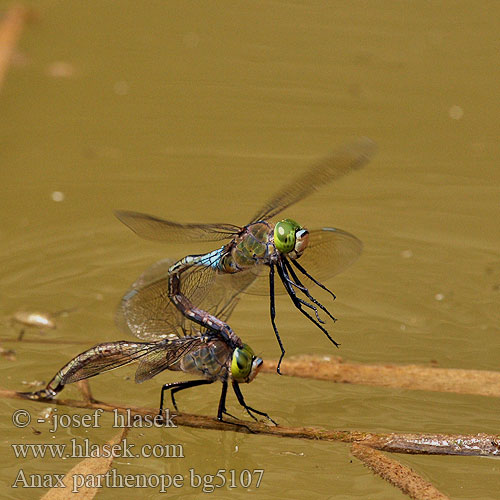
(197, 111)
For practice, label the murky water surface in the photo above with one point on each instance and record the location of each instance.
(198, 112)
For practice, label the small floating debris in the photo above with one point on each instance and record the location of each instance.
(61, 69)
(121, 88)
(34, 319)
(37, 319)
(57, 196)
(293, 453)
(439, 297)
(456, 112)
(33, 383)
(407, 254)
(8, 354)
(47, 413)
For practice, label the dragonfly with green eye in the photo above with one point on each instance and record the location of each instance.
(197, 286)
(207, 355)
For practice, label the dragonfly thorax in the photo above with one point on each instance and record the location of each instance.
(211, 360)
(254, 245)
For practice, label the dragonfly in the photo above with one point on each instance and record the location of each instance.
(207, 355)
(197, 286)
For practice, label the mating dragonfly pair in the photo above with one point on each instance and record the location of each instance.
(181, 309)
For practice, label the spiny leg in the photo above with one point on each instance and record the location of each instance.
(291, 293)
(222, 410)
(249, 409)
(297, 302)
(314, 280)
(273, 315)
(179, 386)
(222, 403)
(296, 281)
(303, 302)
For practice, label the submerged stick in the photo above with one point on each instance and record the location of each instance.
(413, 443)
(90, 467)
(413, 377)
(404, 478)
(11, 27)
(85, 391)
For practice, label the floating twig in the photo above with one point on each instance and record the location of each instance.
(404, 478)
(11, 27)
(412, 377)
(413, 443)
(85, 391)
(89, 467)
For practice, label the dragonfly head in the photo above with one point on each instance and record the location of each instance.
(290, 238)
(245, 365)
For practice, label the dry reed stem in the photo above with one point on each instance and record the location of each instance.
(85, 391)
(404, 478)
(89, 467)
(414, 443)
(11, 27)
(413, 377)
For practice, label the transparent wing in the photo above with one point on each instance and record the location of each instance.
(154, 358)
(350, 157)
(102, 358)
(154, 228)
(147, 312)
(330, 251)
(165, 354)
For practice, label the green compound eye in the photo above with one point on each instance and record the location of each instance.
(241, 365)
(284, 235)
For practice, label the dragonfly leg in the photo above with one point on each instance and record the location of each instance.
(304, 272)
(283, 275)
(303, 302)
(222, 408)
(249, 409)
(292, 283)
(273, 315)
(179, 386)
(222, 401)
(296, 281)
